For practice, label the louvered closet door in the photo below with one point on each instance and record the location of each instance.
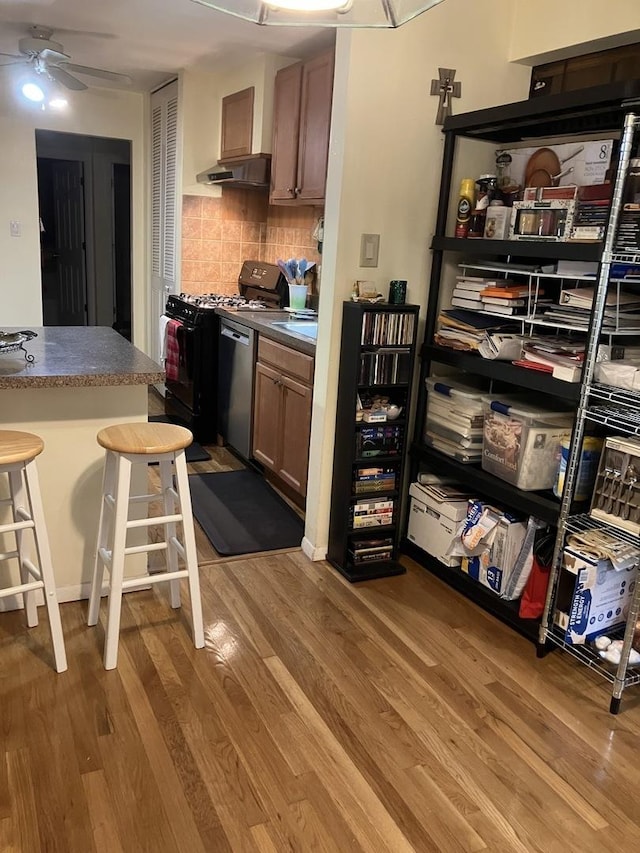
(164, 211)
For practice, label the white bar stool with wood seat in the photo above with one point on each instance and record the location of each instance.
(18, 452)
(141, 444)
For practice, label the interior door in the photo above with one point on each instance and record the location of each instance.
(164, 207)
(68, 211)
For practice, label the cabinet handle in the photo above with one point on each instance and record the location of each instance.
(297, 190)
(291, 190)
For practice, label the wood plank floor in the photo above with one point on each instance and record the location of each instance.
(321, 716)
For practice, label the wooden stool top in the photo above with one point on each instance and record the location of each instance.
(144, 438)
(19, 446)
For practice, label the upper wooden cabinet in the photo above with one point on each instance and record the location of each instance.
(301, 124)
(237, 124)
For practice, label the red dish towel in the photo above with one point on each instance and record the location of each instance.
(172, 350)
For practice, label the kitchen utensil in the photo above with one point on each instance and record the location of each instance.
(546, 160)
(542, 178)
(284, 269)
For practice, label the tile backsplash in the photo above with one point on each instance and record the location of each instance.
(218, 234)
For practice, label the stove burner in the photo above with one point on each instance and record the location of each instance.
(221, 300)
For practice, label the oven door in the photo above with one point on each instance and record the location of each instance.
(184, 387)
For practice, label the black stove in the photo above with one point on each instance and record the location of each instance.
(192, 398)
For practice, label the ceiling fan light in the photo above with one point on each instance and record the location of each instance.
(33, 92)
(58, 103)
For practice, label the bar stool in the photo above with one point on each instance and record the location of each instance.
(18, 452)
(141, 444)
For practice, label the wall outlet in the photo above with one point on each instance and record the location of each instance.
(15, 229)
(369, 248)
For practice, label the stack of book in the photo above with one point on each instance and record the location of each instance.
(628, 235)
(382, 329)
(380, 479)
(465, 330)
(514, 299)
(372, 513)
(590, 220)
(561, 357)
(371, 550)
(388, 367)
(622, 310)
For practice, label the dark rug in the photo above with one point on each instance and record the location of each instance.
(195, 452)
(242, 514)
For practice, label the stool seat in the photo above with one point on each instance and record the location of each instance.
(149, 439)
(18, 446)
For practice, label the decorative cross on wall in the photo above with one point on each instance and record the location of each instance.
(446, 89)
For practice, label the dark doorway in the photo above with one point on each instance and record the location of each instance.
(84, 189)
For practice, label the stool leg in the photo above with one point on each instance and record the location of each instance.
(184, 495)
(46, 568)
(119, 541)
(166, 478)
(19, 499)
(105, 524)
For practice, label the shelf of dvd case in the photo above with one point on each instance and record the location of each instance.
(377, 352)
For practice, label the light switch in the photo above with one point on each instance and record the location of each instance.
(15, 228)
(369, 248)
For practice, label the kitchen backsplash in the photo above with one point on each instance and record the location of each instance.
(218, 234)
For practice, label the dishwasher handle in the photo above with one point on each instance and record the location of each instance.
(237, 337)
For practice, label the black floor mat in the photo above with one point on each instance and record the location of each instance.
(195, 452)
(242, 514)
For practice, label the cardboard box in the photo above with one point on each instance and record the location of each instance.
(493, 567)
(593, 598)
(433, 524)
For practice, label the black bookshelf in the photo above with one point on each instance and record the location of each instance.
(371, 332)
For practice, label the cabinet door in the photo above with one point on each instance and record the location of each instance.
(267, 405)
(237, 124)
(315, 123)
(296, 429)
(286, 127)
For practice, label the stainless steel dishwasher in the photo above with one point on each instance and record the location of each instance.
(236, 359)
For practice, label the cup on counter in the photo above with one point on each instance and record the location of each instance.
(397, 292)
(297, 296)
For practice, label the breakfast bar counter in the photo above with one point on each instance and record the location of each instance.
(81, 380)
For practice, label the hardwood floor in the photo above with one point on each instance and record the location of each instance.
(321, 716)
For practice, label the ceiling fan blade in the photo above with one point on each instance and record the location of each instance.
(98, 72)
(61, 76)
(51, 56)
(13, 56)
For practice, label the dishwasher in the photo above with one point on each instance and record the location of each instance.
(236, 359)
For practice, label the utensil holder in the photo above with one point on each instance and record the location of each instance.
(297, 295)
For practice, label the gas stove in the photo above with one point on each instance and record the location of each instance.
(221, 300)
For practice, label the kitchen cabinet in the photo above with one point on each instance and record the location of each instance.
(283, 394)
(582, 112)
(301, 124)
(377, 354)
(237, 124)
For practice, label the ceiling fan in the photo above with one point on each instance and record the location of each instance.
(47, 57)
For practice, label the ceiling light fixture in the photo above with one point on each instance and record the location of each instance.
(58, 103)
(33, 92)
(323, 13)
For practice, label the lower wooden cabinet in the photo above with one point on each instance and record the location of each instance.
(282, 412)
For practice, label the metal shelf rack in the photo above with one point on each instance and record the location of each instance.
(620, 413)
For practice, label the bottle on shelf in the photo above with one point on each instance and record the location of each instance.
(466, 203)
(487, 186)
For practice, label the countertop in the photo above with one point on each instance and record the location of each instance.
(262, 322)
(77, 356)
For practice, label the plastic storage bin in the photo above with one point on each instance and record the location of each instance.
(454, 418)
(522, 441)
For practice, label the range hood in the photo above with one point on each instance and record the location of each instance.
(251, 172)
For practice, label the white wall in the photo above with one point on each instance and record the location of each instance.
(546, 30)
(96, 112)
(383, 131)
